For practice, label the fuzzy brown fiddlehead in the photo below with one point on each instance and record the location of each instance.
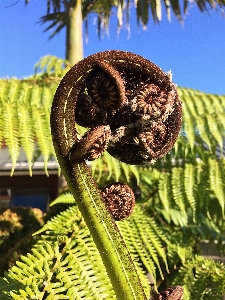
(91, 146)
(119, 199)
(153, 102)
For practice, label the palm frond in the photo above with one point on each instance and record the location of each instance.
(51, 66)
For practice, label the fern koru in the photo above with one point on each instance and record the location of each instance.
(133, 111)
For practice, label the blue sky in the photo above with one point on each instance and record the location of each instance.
(194, 51)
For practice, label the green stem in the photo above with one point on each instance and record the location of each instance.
(105, 233)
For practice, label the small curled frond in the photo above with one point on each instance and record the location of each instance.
(119, 199)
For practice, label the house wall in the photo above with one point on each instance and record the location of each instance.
(20, 183)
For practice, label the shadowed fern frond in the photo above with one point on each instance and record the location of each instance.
(202, 278)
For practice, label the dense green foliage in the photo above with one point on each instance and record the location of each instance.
(180, 208)
(16, 228)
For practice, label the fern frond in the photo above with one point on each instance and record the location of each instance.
(217, 181)
(42, 133)
(188, 125)
(66, 198)
(11, 134)
(26, 133)
(165, 191)
(143, 237)
(190, 192)
(45, 96)
(202, 123)
(203, 129)
(178, 191)
(7, 286)
(216, 129)
(113, 169)
(190, 186)
(66, 260)
(19, 125)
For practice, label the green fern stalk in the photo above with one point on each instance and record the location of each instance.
(105, 233)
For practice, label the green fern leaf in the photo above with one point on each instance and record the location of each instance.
(26, 133)
(203, 129)
(217, 182)
(165, 191)
(179, 191)
(189, 185)
(216, 129)
(143, 236)
(42, 132)
(64, 198)
(10, 132)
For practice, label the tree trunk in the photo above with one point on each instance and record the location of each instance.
(74, 36)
